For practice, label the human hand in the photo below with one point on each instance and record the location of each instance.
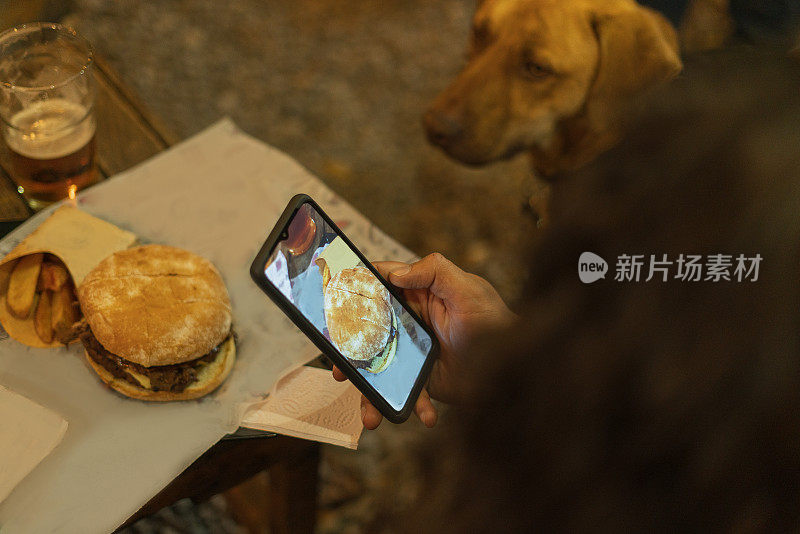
(459, 306)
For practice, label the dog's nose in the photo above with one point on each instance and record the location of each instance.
(442, 128)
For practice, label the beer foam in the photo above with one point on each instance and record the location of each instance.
(50, 129)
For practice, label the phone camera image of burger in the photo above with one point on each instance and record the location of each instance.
(334, 295)
(361, 321)
(157, 324)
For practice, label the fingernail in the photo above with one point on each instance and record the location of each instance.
(405, 269)
(428, 419)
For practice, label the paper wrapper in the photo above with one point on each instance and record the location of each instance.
(308, 403)
(79, 240)
(338, 257)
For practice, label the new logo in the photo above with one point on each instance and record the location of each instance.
(591, 267)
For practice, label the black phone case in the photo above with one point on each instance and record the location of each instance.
(325, 346)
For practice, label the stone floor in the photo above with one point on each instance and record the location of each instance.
(340, 85)
(185, 517)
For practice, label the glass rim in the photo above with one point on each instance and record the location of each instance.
(33, 26)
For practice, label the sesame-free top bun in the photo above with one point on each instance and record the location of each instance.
(357, 313)
(156, 305)
(208, 379)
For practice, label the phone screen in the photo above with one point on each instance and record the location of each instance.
(318, 272)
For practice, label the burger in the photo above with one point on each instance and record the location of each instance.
(157, 324)
(361, 321)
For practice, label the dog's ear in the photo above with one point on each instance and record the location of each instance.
(638, 49)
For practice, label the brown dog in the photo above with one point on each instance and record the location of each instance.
(548, 77)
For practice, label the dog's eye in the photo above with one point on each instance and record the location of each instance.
(480, 35)
(536, 70)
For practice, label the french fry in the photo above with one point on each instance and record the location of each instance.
(325, 270)
(5, 274)
(22, 285)
(52, 276)
(64, 313)
(42, 319)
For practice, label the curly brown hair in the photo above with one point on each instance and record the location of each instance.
(650, 406)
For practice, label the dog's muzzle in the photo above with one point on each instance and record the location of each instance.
(442, 129)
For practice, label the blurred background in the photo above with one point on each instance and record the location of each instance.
(339, 85)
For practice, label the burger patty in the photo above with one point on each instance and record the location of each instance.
(175, 378)
(365, 364)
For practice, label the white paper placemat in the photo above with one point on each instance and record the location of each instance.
(28, 433)
(216, 194)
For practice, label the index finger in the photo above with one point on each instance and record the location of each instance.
(386, 267)
(435, 273)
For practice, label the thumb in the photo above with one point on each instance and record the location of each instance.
(434, 272)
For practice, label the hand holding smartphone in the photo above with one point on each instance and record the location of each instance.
(337, 298)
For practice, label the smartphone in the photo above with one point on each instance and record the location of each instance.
(334, 295)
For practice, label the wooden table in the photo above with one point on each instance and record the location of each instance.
(127, 134)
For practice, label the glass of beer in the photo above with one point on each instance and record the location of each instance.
(47, 98)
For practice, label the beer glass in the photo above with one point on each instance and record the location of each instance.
(47, 109)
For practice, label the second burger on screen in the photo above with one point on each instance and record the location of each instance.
(157, 324)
